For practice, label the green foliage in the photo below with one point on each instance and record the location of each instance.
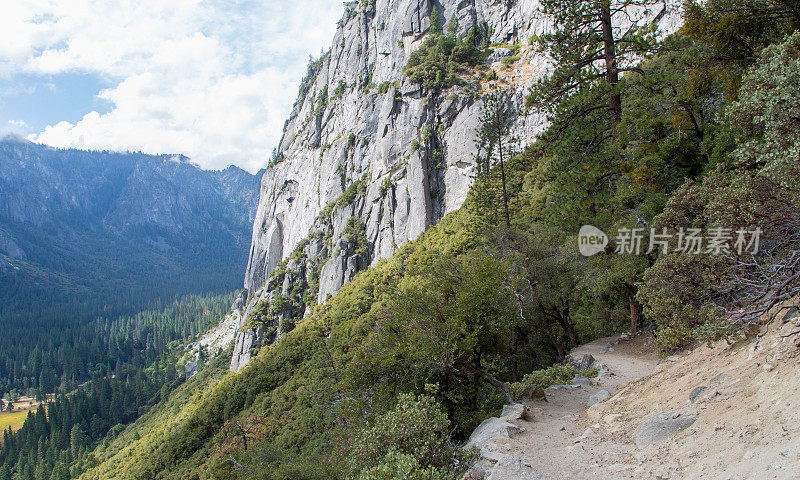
(356, 236)
(708, 297)
(260, 315)
(339, 91)
(355, 190)
(584, 36)
(440, 60)
(322, 101)
(386, 186)
(452, 26)
(509, 60)
(738, 29)
(436, 25)
(492, 142)
(409, 442)
(385, 86)
(275, 158)
(552, 375)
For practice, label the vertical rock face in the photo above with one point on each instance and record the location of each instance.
(361, 170)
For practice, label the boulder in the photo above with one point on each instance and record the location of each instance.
(580, 380)
(792, 314)
(598, 397)
(663, 426)
(586, 362)
(534, 392)
(490, 429)
(511, 468)
(516, 411)
(191, 368)
(696, 392)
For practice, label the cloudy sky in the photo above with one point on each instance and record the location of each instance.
(213, 80)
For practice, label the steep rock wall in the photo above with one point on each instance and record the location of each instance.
(361, 172)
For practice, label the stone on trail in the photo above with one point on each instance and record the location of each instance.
(581, 381)
(514, 412)
(534, 392)
(696, 392)
(586, 362)
(490, 429)
(597, 397)
(662, 426)
(510, 468)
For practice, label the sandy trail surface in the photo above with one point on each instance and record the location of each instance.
(743, 399)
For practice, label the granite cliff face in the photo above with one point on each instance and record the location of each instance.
(361, 169)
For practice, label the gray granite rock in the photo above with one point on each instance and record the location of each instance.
(598, 397)
(696, 392)
(499, 54)
(534, 392)
(411, 178)
(580, 380)
(663, 426)
(490, 429)
(516, 411)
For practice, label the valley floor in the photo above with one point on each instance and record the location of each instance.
(727, 412)
(16, 418)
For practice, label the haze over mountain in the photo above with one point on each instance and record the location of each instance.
(96, 231)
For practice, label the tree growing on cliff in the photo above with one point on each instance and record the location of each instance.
(494, 143)
(590, 45)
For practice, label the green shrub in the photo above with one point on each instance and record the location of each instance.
(409, 442)
(553, 375)
(384, 87)
(509, 60)
(339, 91)
(437, 63)
(355, 234)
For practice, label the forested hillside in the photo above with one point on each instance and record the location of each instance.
(698, 130)
(89, 233)
(104, 374)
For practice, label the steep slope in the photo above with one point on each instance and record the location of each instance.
(369, 159)
(94, 231)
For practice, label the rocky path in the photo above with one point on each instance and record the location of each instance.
(559, 440)
(728, 412)
(555, 440)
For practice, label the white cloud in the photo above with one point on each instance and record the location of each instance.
(17, 128)
(213, 80)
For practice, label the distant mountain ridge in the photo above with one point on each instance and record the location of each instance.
(85, 231)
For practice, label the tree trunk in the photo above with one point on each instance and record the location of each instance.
(500, 386)
(636, 315)
(609, 54)
(503, 179)
(569, 329)
(566, 323)
(512, 350)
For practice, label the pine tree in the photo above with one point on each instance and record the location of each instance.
(493, 135)
(587, 50)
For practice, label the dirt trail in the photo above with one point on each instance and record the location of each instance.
(743, 400)
(553, 441)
